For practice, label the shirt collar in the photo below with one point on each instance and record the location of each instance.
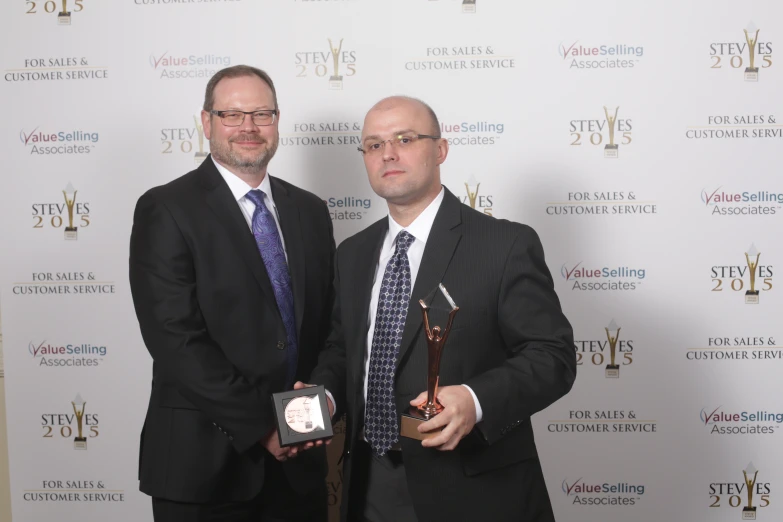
(238, 187)
(421, 226)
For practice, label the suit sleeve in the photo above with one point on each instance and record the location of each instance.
(331, 368)
(541, 360)
(163, 285)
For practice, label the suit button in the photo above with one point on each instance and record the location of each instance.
(280, 345)
(230, 437)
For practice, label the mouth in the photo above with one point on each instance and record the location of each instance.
(392, 172)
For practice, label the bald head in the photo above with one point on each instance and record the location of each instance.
(394, 102)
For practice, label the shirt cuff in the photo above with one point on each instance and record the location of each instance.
(479, 413)
(331, 398)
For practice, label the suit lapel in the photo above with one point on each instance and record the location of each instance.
(294, 245)
(441, 244)
(222, 203)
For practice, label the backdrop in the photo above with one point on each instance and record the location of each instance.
(640, 139)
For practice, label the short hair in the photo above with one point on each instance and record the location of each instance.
(235, 71)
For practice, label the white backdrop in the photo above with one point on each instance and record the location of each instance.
(654, 238)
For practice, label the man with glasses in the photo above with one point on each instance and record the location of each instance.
(509, 354)
(231, 275)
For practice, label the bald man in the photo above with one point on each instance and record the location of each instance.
(509, 354)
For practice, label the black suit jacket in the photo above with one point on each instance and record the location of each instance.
(209, 319)
(510, 343)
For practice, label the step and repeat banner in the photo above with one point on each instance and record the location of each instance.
(641, 140)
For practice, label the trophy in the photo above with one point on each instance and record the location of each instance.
(70, 230)
(79, 442)
(472, 194)
(611, 150)
(302, 415)
(749, 511)
(612, 369)
(436, 340)
(752, 72)
(64, 17)
(336, 81)
(468, 6)
(752, 295)
(200, 156)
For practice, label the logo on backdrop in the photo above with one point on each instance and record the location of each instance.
(612, 352)
(348, 208)
(736, 349)
(60, 355)
(611, 493)
(51, 283)
(722, 201)
(470, 133)
(737, 127)
(188, 141)
(616, 203)
(48, 143)
(477, 201)
(323, 133)
(460, 58)
(468, 6)
(603, 421)
(49, 8)
(749, 51)
(730, 421)
(579, 55)
(585, 277)
(751, 277)
(748, 495)
(68, 214)
(608, 133)
(54, 69)
(169, 66)
(333, 66)
(78, 426)
(91, 491)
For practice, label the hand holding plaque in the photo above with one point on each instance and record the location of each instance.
(302, 416)
(436, 341)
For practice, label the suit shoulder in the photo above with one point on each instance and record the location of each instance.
(360, 237)
(171, 190)
(496, 228)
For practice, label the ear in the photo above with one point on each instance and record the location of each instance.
(206, 123)
(443, 150)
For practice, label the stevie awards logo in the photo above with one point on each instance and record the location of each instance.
(734, 52)
(733, 276)
(336, 80)
(476, 202)
(593, 131)
(200, 155)
(316, 62)
(733, 492)
(612, 369)
(751, 72)
(50, 6)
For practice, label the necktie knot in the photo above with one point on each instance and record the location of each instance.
(256, 196)
(404, 240)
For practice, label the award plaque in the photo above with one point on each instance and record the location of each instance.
(80, 441)
(336, 80)
(752, 72)
(436, 340)
(749, 511)
(70, 200)
(611, 150)
(612, 335)
(468, 6)
(302, 415)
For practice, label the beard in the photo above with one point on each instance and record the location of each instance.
(223, 152)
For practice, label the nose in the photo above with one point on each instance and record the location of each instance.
(389, 151)
(248, 125)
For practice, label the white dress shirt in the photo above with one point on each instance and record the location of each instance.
(420, 230)
(240, 189)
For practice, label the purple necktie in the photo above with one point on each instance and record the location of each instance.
(380, 418)
(271, 248)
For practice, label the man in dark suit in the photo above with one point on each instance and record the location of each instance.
(509, 355)
(231, 274)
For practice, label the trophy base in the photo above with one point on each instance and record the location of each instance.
(80, 443)
(409, 422)
(336, 83)
(749, 513)
(612, 371)
(200, 157)
(751, 74)
(612, 151)
(70, 233)
(468, 8)
(64, 18)
(752, 297)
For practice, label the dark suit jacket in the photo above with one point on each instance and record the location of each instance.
(510, 343)
(209, 318)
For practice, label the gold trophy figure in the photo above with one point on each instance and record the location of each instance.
(611, 150)
(612, 369)
(436, 340)
(472, 194)
(79, 442)
(752, 295)
(200, 155)
(64, 17)
(70, 230)
(752, 72)
(468, 6)
(749, 512)
(336, 80)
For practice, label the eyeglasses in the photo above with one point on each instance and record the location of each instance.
(236, 118)
(401, 141)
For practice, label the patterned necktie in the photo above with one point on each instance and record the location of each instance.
(271, 248)
(380, 418)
